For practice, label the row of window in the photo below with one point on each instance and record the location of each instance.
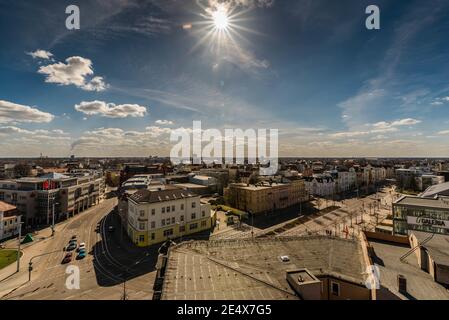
(167, 209)
(169, 232)
(169, 221)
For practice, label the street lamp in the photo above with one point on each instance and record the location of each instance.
(20, 239)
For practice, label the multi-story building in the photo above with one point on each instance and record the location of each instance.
(421, 214)
(37, 199)
(155, 216)
(266, 197)
(320, 185)
(9, 220)
(345, 180)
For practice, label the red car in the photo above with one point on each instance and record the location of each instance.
(67, 258)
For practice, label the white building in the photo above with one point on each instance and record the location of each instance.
(9, 220)
(155, 216)
(320, 185)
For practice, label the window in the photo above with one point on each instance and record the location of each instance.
(163, 209)
(163, 222)
(153, 236)
(173, 220)
(142, 213)
(181, 218)
(168, 209)
(193, 216)
(168, 221)
(203, 213)
(193, 205)
(153, 212)
(2, 196)
(142, 226)
(182, 229)
(182, 206)
(194, 226)
(335, 289)
(168, 233)
(203, 223)
(173, 208)
(141, 238)
(153, 224)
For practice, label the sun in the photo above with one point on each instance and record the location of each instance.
(220, 19)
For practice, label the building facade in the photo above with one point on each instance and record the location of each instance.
(265, 197)
(155, 216)
(9, 221)
(64, 195)
(429, 215)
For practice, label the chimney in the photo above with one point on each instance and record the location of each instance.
(402, 284)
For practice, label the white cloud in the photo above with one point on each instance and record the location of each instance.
(440, 101)
(164, 122)
(12, 112)
(75, 72)
(397, 123)
(41, 54)
(443, 132)
(116, 140)
(110, 110)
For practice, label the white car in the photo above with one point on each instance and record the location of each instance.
(82, 246)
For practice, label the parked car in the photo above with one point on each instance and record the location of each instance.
(81, 247)
(72, 246)
(67, 258)
(81, 255)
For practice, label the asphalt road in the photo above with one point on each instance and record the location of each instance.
(111, 259)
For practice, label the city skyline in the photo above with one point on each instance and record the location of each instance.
(136, 70)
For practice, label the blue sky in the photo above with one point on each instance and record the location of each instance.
(138, 69)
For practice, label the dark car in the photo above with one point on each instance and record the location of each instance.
(72, 246)
(67, 258)
(82, 254)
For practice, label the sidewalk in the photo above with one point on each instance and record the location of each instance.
(10, 279)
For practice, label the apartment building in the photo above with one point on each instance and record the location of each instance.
(37, 198)
(266, 197)
(320, 185)
(9, 220)
(155, 216)
(345, 180)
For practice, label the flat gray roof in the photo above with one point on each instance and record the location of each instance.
(438, 247)
(440, 203)
(420, 284)
(252, 269)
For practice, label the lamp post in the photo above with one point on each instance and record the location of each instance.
(18, 247)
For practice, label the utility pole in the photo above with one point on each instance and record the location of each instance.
(53, 220)
(18, 247)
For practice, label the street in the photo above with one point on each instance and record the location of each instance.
(102, 273)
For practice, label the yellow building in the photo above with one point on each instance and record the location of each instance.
(265, 197)
(155, 216)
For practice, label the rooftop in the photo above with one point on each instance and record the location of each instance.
(6, 206)
(420, 285)
(438, 246)
(440, 203)
(435, 190)
(253, 269)
(167, 193)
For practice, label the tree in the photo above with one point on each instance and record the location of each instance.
(22, 170)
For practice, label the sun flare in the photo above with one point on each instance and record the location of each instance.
(221, 19)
